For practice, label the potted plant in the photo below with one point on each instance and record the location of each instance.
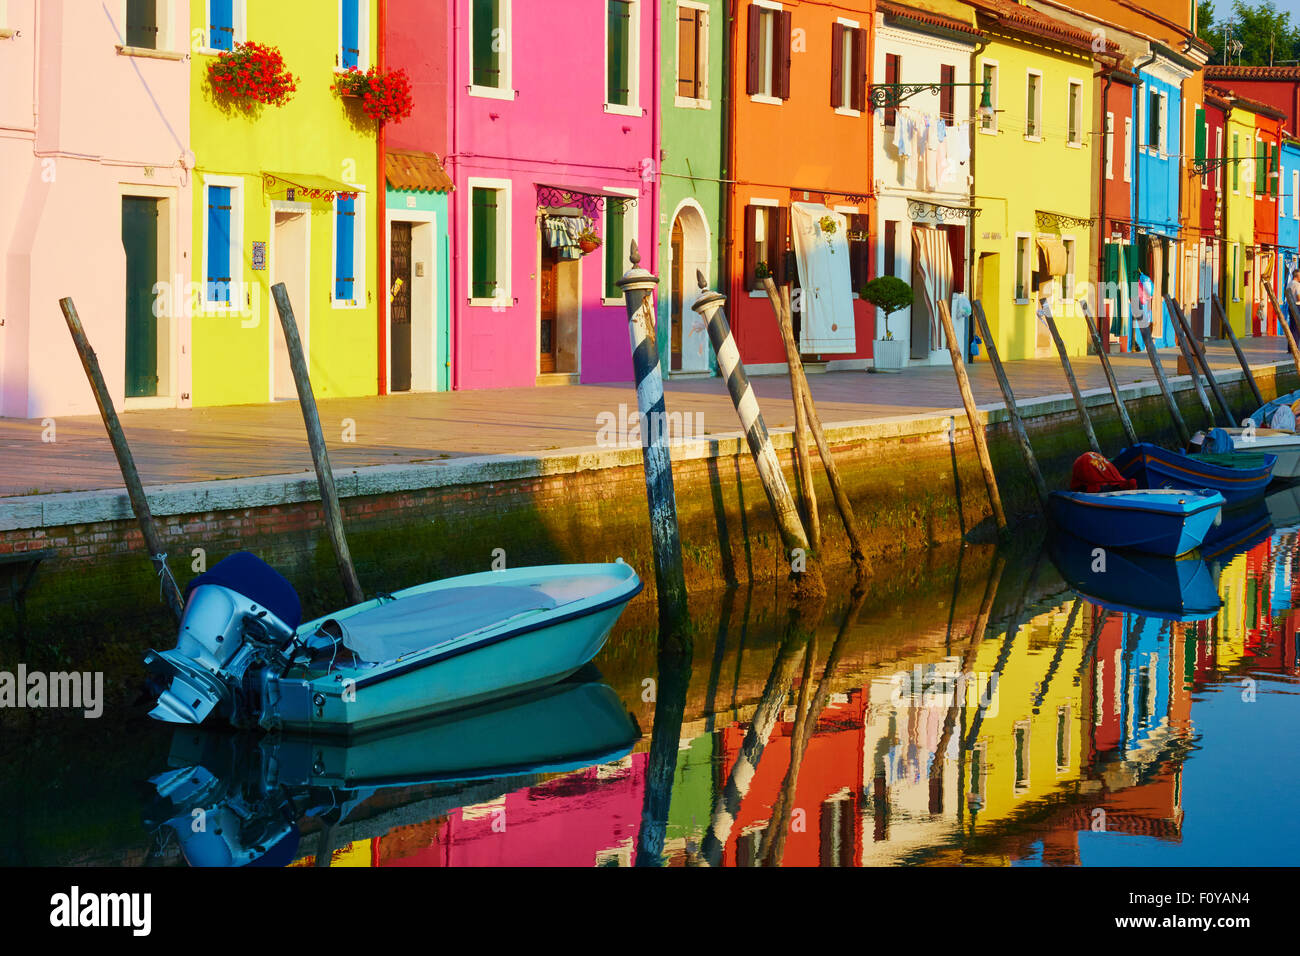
(385, 95)
(252, 73)
(889, 294)
(588, 242)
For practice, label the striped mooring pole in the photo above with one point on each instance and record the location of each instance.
(709, 305)
(670, 578)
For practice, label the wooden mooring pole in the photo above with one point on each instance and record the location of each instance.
(329, 496)
(1009, 397)
(1120, 407)
(1140, 333)
(709, 305)
(1190, 359)
(1236, 347)
(638, 286)
(1198, 350)
(1046, 315)
(125, 461)
(972, 416)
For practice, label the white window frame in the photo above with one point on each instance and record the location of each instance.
(1164, 124)
(1295, 194)
(1236, 163)
(847, 73)
(702, 59)
(1077, 142)
(631, 223)
(1218, 152)
(1037, 135)
(241, 26)
(506, 91)
(633, 107)
(237, 302)
(505, 245)
(363, 38)
(769, 98)
(1110, 146)
(770, 204)
(360, 239)
(1128, 149)
(1234, 276)
(992, 129)
(1024, 261)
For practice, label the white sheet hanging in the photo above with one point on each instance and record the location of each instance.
(827, 325)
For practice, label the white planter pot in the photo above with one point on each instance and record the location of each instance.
(890, 355)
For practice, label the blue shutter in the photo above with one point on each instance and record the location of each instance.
(221, 24)
(350, 54)
(344, 254)
(218, 244)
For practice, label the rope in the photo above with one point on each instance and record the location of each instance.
(164, 575)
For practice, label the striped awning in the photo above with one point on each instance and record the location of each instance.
(421, 172)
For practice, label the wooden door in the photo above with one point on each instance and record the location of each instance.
(547, 333)
(140, 242)
(399, 309)
(679, 288)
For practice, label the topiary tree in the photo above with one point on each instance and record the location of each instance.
(889, 294)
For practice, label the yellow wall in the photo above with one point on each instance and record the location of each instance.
(1239, 222)
(317, 133)
(1015, 177)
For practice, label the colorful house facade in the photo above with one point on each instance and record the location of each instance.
(287, 194)
(1239, 222)
(96, 202)
(1288, 211)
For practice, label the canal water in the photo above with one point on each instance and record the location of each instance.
(1052, 706)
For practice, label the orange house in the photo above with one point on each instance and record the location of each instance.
(800, 133)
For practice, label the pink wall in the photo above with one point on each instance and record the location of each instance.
(555, 131)
(84, 127)
(413, 30)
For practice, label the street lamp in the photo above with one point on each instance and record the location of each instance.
(891, 95)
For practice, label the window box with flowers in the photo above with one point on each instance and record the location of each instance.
(385, 95)
(252, 74)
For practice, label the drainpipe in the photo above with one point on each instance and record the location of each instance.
(656, 143)
(1137, 172)
(728, 149)
(970, 223)
(1107, 140)
(453, 170)
(381, 214)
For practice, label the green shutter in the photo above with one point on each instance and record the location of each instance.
(1236, 166)
(1201, 133)
(483, 220)
(1276, 180)
(618, 89)
(487, 43)
(614, 247)
(1261, 166)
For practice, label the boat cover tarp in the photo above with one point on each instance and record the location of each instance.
(409, 624)
(249, 575)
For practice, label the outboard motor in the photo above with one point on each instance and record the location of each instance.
(237, 638)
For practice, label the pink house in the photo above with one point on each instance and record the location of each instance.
(543, 147)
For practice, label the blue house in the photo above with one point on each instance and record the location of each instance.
(1288, 209)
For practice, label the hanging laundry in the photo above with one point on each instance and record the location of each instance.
(959, 144)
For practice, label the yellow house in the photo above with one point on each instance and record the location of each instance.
(1033, 177)
(283, 193)
(1239, 219)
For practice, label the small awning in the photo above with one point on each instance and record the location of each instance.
(1054, 255)
(311, 185)
(417, 171)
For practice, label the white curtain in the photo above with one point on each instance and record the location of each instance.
(934, 261)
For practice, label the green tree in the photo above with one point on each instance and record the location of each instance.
(889, 294)
(1248, 34)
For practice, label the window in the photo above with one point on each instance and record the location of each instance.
(621, 55)
(1063, 738)
(989, 77)
(349, 251)
(1067, 290)
(1021, 734)
(1034, 106)
(859, 249)
(1128, 149)
(221, 25)
(350, 33)
(222, 236)
(489, 30)
(1202, 135)
(765, 229)
(947, 94)
(1110, 146)
(489, 240)
(142, 24)
(848, 66)
(1218, 152)
(1261, 164)
(1236, 164)
(891, 248)
(893, 70)
(620, 229)
(1295, 194)
(1154, 119)
(692, 52)
(768, 65)
(1275, 171)
(1236, 272)
(1075, 108)
(1024, 267)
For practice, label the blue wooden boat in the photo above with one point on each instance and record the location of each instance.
(1238, 477)
(252, 790)
(1157, 521)
(243, 655)
(1174, 589)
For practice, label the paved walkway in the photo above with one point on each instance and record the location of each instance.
(178, 445)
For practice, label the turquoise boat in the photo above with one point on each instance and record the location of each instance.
(1156, 521)
(242, 654)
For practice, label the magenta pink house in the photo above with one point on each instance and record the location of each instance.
(548, 150)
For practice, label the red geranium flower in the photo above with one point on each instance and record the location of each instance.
(252, 73)
(385, 96)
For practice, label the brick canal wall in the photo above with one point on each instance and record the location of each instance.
(914, 483)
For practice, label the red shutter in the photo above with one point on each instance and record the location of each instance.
(859, 73)
(893, 67)
(754, 80)
(837, 65)
(781, 218)
(751, 253)
(781, 56)
(947, 95)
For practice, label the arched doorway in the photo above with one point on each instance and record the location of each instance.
(688, 344)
